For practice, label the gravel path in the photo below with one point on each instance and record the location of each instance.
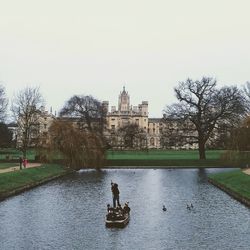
(16, 168)
(246, 171)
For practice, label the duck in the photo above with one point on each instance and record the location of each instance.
(164, 208)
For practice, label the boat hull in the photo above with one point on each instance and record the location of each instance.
(120, 223)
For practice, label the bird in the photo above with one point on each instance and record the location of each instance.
(164, 208)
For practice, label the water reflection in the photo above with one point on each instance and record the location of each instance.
(69, 213)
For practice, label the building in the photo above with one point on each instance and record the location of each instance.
(127, 114)
(149, 133)
(37, 128)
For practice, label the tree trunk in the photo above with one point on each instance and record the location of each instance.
(202, 152)
(24, 152)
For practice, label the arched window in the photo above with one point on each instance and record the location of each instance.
(152, 141)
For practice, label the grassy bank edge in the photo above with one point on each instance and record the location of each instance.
(34, 177)
(227, 182)
(168, 163)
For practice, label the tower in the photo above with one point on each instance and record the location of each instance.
(123, 103)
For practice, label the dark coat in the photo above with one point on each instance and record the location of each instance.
(115, 189)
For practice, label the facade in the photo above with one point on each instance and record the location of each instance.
(151, 133)
(127, 114)
(13, 128)
(178, 134)
(38, 128)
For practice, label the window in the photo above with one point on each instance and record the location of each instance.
(152, 141)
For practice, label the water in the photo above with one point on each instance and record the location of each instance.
(69, 213)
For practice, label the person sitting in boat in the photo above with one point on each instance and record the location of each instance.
(108, 208)
(126, 208)
(119, 209)
(115, 192)
(111, 214)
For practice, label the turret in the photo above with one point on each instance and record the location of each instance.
(124, 99)
(144, 109)
(105, 105)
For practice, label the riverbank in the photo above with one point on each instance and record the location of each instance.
(148, 158)
(15, 182)
(171, 163)
(235, 183)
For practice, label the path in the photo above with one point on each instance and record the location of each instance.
(246, 171)
(16, 168)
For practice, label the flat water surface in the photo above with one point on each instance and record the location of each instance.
(69, 213)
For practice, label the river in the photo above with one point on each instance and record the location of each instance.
(69, 213)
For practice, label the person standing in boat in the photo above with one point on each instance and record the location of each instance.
(115, 193)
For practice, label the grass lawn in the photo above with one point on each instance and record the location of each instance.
(8, 165)
(164, 158)
(235, 181)
(162, 155)
(18, 179)
(14, 154)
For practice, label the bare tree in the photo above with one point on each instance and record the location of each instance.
(132, 137)
(177, 133)
(206, 106)
(89, 112)
(90, 117)
(25, 108)
(3, 103)
(240, 137)
(246, 89)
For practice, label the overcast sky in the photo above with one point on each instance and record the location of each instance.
(95, 47)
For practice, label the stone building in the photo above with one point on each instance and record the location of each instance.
(117, 118)
(37, 128)
(127, 114)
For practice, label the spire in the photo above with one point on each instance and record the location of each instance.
(123, 101)
(124, 91)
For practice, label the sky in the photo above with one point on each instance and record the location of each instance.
(96, 47)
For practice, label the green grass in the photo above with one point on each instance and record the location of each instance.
(18, 179)
(8, 165)
(164, 158)
(14, 154)
(235, 181)
(146, 158)
(9, 154)
(162, 155)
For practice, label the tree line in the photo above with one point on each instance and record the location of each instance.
(203, 112)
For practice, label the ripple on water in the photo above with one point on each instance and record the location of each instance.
(69, 213)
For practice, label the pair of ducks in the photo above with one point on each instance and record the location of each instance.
(188, 207)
